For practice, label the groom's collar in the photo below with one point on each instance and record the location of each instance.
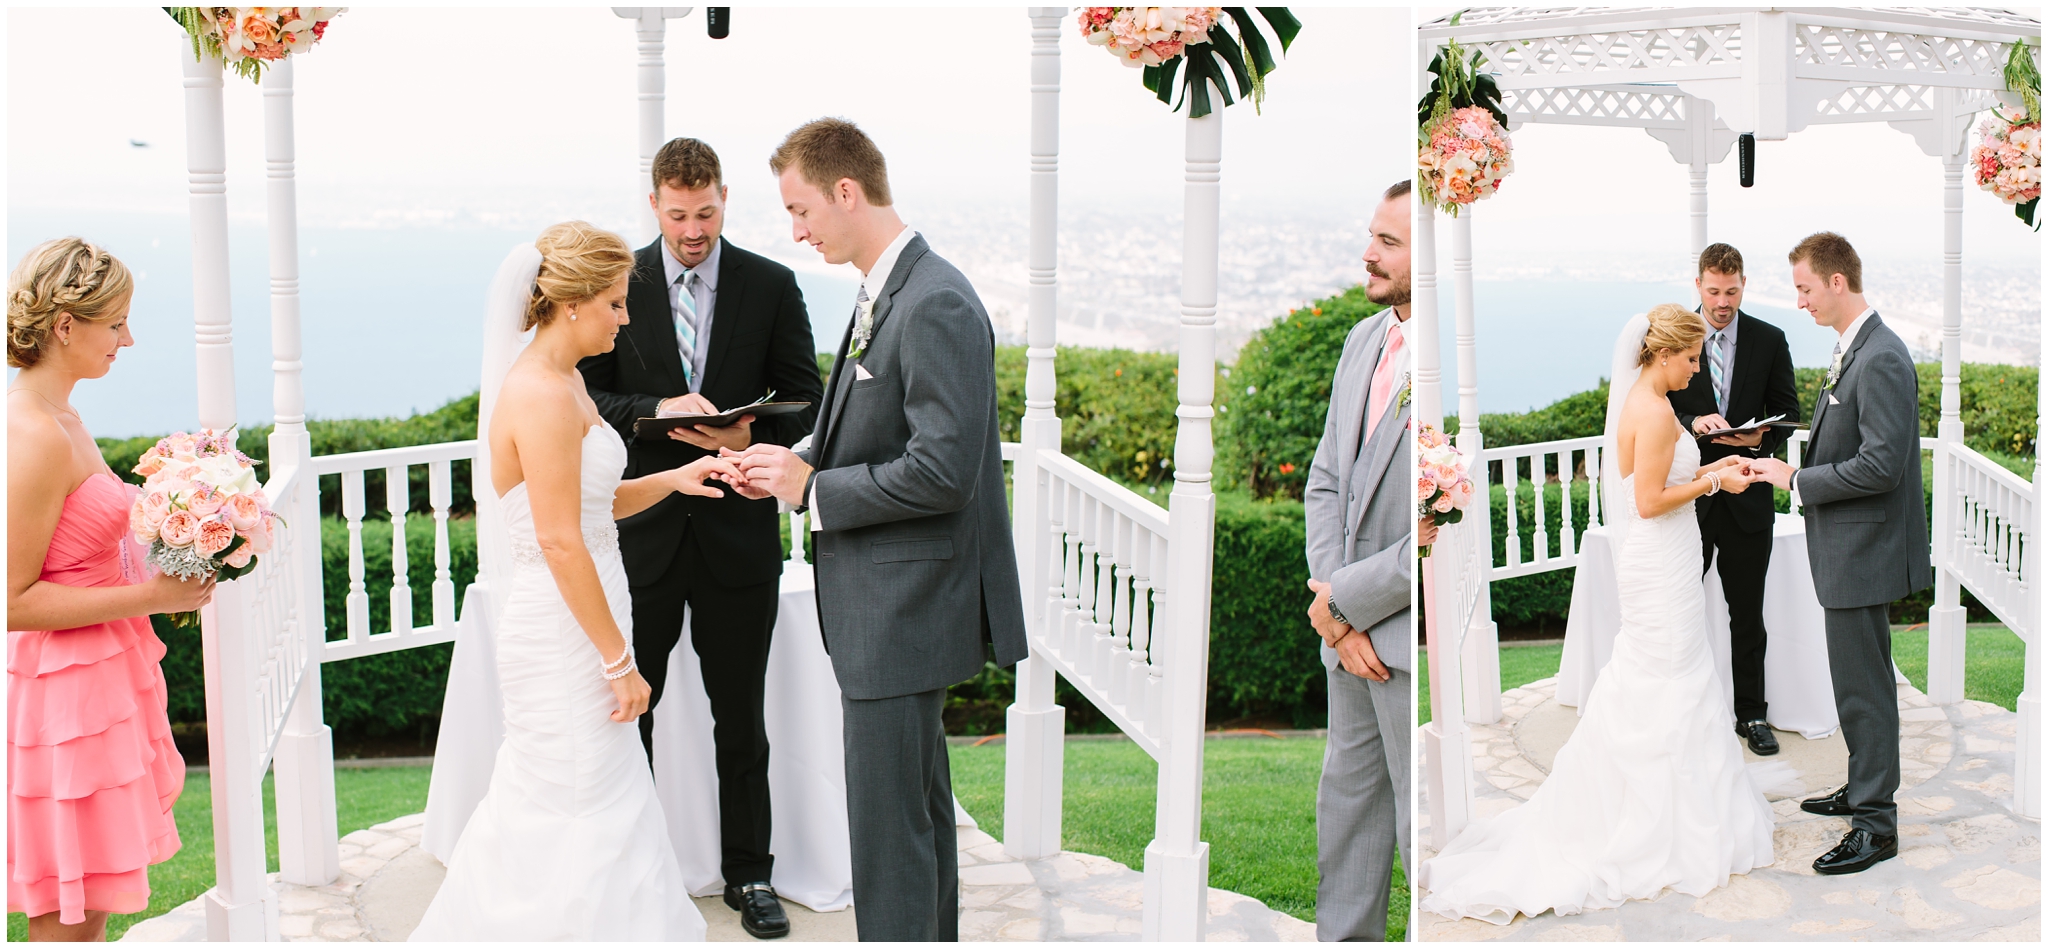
(1855, 327)
(876, 279)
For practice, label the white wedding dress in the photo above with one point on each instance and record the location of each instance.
(1651, 790)
(569, 842)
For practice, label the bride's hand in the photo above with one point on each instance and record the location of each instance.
(1729, 462)
(1735, 480)
(692, 477)
(633, 693)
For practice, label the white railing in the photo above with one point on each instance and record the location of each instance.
(396, 463)
(1991, 517)
(1570, 459)
(1098, 599)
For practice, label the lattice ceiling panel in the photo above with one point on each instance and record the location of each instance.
(1896, 52)
(1877, 100)
(1621, 52)
(1631, 107)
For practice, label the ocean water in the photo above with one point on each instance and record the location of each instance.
(390, 319)
(1541, 340)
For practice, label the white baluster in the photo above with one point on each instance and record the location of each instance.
(1116, 666)
(440, 496)
(358, 594)
(397, 499)
(1138, 694)
(1539, 478)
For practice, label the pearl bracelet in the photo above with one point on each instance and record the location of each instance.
(623, 657)
(1713, 483)
(622, 673)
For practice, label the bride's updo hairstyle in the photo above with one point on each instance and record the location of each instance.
(1673, 328)
(66, 275)
(577, 262)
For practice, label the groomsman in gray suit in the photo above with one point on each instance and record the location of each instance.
(1866, 535)
(903, 482)
(1361, 530)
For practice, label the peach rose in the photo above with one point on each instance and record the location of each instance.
(152, 462)
(179, 529)
(204, 501)
(261, 537)
(1443, 504)
(243, 512)
(214, 536)
(240, 558)
(139, 525)
(156, 505)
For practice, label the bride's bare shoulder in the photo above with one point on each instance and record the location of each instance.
(1645, 411)
(535, 402)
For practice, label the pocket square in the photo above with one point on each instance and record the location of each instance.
(1832, 400)
(861, 373)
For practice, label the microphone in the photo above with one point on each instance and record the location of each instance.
(1745, 150)
(718, 22)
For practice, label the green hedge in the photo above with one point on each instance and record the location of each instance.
(1279, 395)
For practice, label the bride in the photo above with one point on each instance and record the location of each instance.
(569, 842)
(1651, 790)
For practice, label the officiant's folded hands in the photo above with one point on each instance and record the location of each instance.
(736, 436)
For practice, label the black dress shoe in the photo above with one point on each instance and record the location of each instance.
(760, 912)
(1835, 804)
(1758, 734)
(1858, 851)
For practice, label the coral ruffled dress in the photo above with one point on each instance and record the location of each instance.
(91, 768)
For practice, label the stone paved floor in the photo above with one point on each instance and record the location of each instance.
(1968, 867)
(386, 882)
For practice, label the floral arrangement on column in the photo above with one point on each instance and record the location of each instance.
(245, 38)
(2007, 159)
(1463, 150)
(1443, 488)
(1160, 40)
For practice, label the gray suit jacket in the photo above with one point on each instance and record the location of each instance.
(915, 565)
(1866, 513)
(1361, 507)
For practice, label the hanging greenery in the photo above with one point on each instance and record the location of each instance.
(1464, 151)
(1192, 45)
(245, 38)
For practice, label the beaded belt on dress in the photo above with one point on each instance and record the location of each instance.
(603, 538)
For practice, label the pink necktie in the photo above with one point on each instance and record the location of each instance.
(1382, 381)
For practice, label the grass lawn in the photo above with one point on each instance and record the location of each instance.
(363, 796)
(1994, 661)
(1258, 813)
(1519, 666)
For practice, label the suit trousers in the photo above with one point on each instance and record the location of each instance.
(731, 631)
(1744, 562)
(1867, 700)
(899, 805)
(1362, 805)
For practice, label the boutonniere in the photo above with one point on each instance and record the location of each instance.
(863, 328)
(1835, 371)
(1406, 386)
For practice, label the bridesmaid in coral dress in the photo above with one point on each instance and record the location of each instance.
(91, 770)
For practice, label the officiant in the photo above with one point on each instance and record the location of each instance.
(1745, 374)
(712, 326)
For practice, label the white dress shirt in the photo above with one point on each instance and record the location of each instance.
(1848, 340)
(705, 296)
(872, 282)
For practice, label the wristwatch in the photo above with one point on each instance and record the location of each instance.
(1336, 614)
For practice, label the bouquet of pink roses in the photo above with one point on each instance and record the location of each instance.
(247, 37)
(1466, 156)
(1442, 487)
(201, 510)
(2007, 159)
(1146, 36)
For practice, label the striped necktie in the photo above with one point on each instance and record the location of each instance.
(685, 314)
(1717, 364)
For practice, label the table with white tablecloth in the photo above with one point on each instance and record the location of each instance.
(1800, 694)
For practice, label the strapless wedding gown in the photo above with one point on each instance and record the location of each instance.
(569, 843)
(1651, 790)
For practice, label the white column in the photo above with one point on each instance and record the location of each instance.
(1177, 860)
(1696, 175)
(1482, 641)
(2027, 757)
(1429, 374)
(206, 159)
(1035, 749)
(306, 831)
(649, 28)
(1446, 742)
(1947, 636)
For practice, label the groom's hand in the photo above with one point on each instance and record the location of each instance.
(1356, 655)
(1778, 473)
(1327, 626)
(772, 471)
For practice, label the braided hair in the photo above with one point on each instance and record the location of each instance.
(66, 275)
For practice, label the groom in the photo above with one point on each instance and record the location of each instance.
(904, 486)
(1866, 534)
(1747, 375)
(712, 326)
(1361, 527)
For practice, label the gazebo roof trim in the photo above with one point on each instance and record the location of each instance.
(1919, 19)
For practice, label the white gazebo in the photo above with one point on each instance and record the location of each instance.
(1117, 589)
(1695, 79)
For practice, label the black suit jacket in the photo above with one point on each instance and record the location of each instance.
(1761, 386)
(760, 340)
